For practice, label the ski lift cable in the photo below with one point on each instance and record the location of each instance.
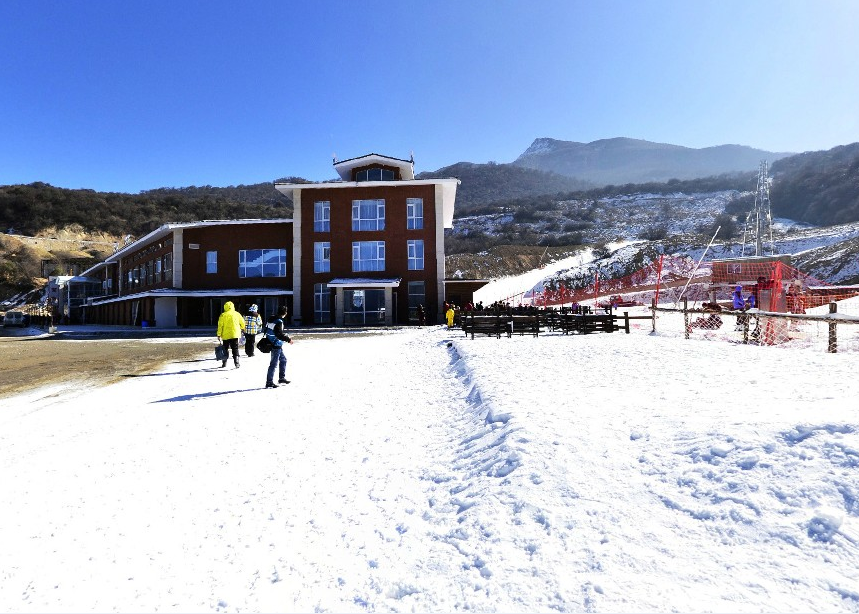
(695, 270)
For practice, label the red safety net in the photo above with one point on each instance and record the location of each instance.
(771, 282)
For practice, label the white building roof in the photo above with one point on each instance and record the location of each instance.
(345, 167)
(364, 282)
(178, 292)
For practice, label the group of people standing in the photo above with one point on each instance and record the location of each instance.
(231, 327)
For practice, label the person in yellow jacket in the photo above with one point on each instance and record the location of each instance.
(450, 315)
(230, 326)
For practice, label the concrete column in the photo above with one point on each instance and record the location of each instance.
(296, 257)
(439, 252)
(389, 306)
(178, 251)
(339, 316)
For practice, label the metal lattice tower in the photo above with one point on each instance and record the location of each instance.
(759, 220)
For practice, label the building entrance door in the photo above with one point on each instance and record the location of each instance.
(364, 307)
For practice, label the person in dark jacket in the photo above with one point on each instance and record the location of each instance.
(274, 330)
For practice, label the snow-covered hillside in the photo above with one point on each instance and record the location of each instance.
(608, 219)
(677, 224)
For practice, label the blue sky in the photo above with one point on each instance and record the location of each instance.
(128, 96)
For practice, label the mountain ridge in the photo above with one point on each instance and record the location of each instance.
(622, 160)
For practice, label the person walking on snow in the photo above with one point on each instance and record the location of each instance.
(276, 334)
(450, 314)
(230, 326)
(253, 326)
(739, 304)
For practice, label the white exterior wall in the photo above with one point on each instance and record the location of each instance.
(296, 257)
(439, 246)
(165, 312)
(178, 237)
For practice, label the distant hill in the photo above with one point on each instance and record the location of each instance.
(29, 209)
(818, 187)
(621, 160)
(488, 183)
(251, 194)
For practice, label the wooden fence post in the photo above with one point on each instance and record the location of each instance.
(833, 335)
(653, 310)
(686, 328)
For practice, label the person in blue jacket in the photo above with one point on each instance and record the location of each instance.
(739, 304)
(274, 330)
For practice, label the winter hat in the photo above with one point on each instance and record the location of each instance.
(252, 308)
(738, 289)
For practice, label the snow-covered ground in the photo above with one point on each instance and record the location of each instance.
(417, 470)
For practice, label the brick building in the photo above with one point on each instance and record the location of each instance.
(182, 274)
(369, 248)
(364, 250)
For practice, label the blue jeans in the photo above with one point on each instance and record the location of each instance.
(277, 358)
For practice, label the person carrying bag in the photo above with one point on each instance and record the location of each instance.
(276, 335)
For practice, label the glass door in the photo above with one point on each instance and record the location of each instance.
(364, 307)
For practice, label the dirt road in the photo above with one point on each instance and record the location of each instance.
(28, 362)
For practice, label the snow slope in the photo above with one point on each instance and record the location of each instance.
(417, 470)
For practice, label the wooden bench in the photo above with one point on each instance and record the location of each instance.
(587, 323)
(596, 323)
(493, 325)
(525, 324)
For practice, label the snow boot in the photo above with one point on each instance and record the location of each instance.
(270, 385)
(283, 381)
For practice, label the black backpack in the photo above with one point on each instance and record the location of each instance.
(264, 345)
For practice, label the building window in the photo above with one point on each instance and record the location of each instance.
(321, 304)
(168, 267)
(375, 174)
(262, 263)
(322, 216)
(417, 296)
(322, 257)
(414, 213)
(368, 256)
(158, 270)
(416, 254)
(368, 214)
(211, 262)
